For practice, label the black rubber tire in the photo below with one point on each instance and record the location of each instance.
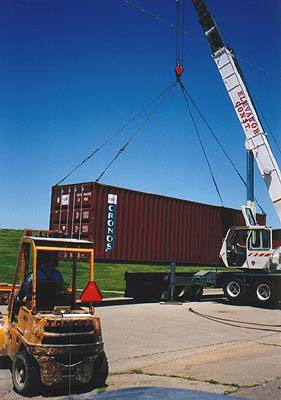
(265, 292)
(25, 374)
(179, 293)
(234, 289)
(100, 371)
(193, 293)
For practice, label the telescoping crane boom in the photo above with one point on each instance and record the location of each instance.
(256, 140)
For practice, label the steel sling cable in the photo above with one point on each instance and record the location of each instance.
(218, 142)
(201, 142)
(121, 129)
(122, 149)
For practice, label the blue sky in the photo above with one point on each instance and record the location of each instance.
(72, 72)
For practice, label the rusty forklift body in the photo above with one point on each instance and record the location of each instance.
(49, 337)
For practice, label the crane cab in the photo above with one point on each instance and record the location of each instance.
(250, 248)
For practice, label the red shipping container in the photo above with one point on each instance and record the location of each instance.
(131, 226)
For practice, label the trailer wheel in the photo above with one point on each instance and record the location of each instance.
(193, 293)
(234, 290)
(100, 371)
(25, 374)
(179, 293)
(265, 292)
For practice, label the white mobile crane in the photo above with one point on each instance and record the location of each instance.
(254, 249)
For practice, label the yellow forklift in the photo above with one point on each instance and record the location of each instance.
(51, 336)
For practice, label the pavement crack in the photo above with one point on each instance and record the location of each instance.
(231, 387)
(269, 344)
(175, 351)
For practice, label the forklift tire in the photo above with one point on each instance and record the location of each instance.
(265, 292)
(25, 374)
(234, 289)
(100, 371)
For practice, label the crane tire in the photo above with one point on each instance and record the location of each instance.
(193, 293)
(234, 289)
(265, 292)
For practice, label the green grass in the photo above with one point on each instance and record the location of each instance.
(109, 277)
(9, 247)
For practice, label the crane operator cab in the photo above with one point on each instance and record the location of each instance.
(250, 248)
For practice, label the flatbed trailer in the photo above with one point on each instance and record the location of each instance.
(187, 286)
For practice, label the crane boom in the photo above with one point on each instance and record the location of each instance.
(256, 139)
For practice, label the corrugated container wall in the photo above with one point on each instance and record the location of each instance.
(136, 227)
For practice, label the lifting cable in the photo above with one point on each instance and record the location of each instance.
(123, 148)
(218, 142)
(116, 133)
(200, 140)
(179, 71)
(180, 15)
(180, 9)
(199, 39)
(238, 324)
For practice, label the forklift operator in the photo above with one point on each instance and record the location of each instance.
(46, 271)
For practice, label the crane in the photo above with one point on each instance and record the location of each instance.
(255, 250)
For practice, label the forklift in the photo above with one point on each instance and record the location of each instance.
(51, 336)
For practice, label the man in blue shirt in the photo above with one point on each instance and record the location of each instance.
(46, 271)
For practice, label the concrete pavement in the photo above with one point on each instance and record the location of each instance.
(154, 345)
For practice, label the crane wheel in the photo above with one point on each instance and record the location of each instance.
(193, 293)
(265, 292)
(234, 289)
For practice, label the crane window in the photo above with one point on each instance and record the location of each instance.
(259, 240)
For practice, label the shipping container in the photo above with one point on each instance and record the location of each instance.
(135, 227)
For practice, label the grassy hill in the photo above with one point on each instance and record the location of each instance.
(9, 246)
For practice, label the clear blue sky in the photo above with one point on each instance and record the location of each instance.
(72, 72)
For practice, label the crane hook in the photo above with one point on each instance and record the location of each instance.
(179, 70)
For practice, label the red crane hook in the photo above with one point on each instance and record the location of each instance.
(179, 70)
